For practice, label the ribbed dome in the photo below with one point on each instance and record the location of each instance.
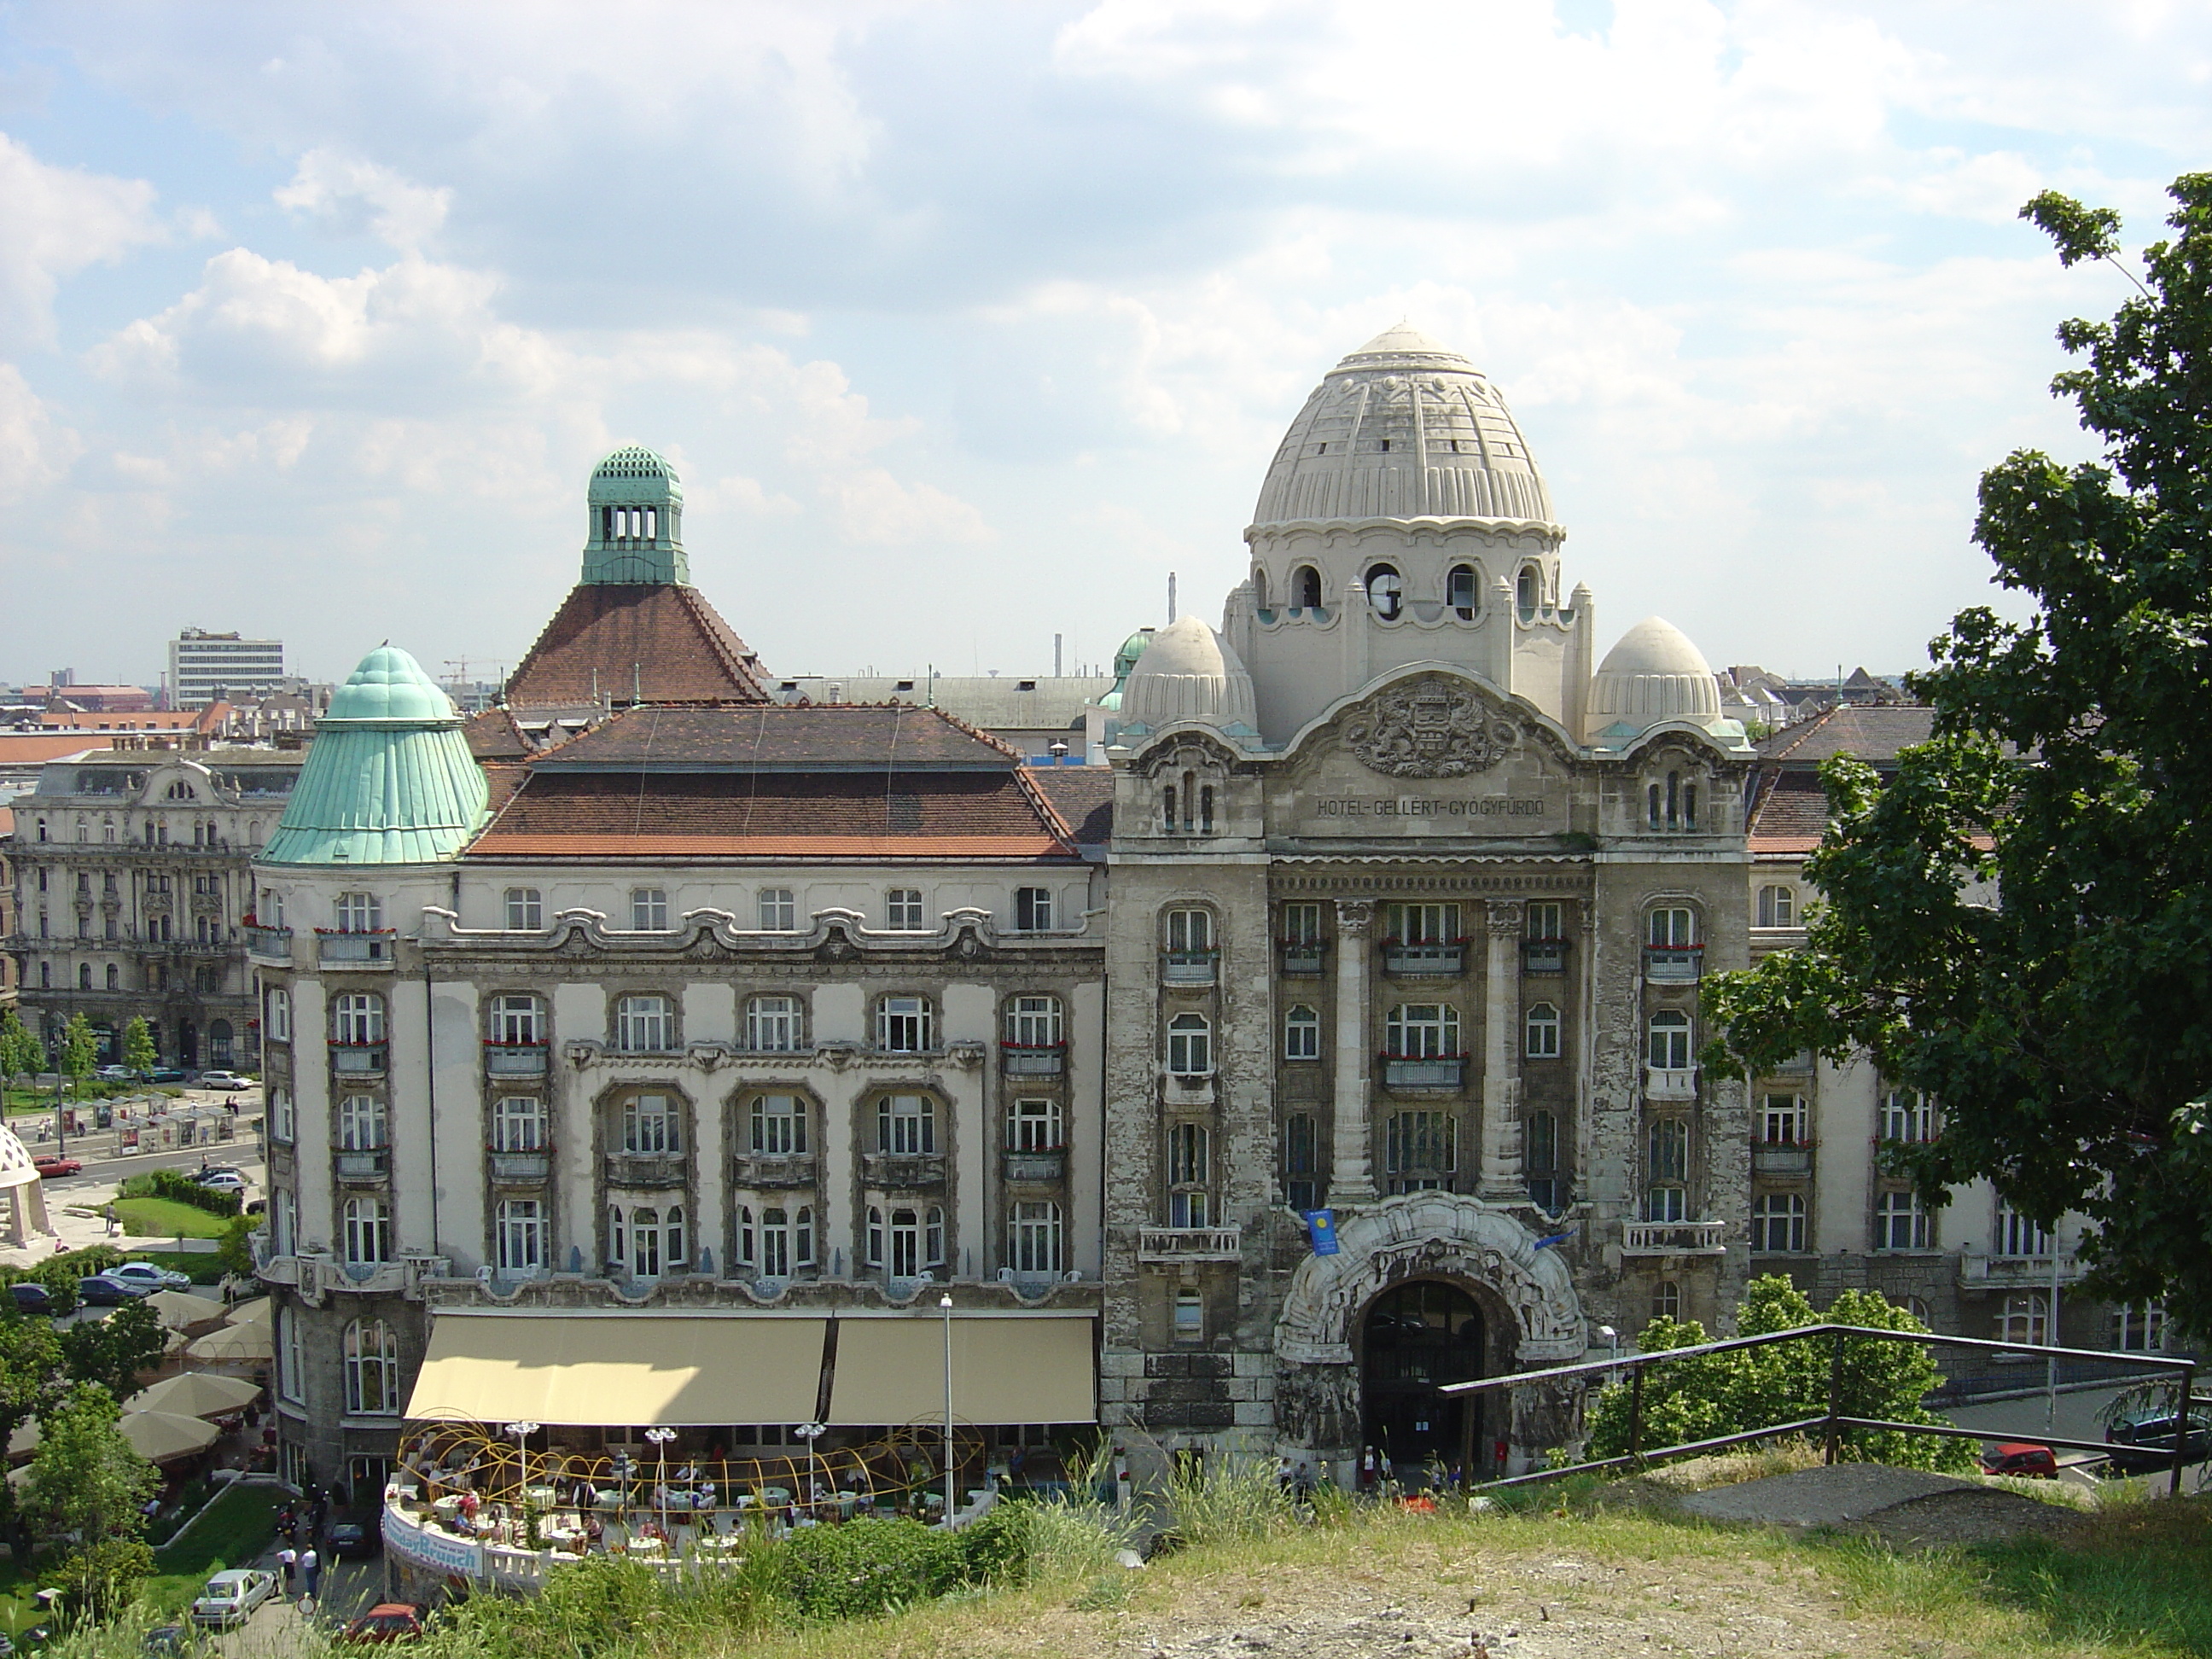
(1404, 427)
(1654, 674)
(635, 473)
(390, 685)
(1186, 673)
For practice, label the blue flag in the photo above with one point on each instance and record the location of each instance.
(1321, 1226)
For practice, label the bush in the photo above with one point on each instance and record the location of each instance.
(175, 1185)
(864, 1568)
(59, 1274)
(1228, 1496)
(995, 1549)
(100, 1580)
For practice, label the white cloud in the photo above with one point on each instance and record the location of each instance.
(33, 451)
(59, 220)
(344, 194)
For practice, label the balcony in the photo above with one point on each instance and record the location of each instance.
(1798, 1065)
(515, 1058)
(895, 1172)
(1177, 1245)
(1672, 1238)
(1035, 1167)
(2015, 1273)
(1781, 1158)
(1424, 959)
(1673, 964)
(522, 1169)
(1189, 967)
(357, 1058)
(1399, 1072)
(646, 1169)
(1187, 1088)
(355, 950)
(773, 1170)
(369, 1166)
(1033, 1059)
(1670, 1083)
(1303, 958)
(268, 944)
(1543, 956)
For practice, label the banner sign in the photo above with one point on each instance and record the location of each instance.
(437, 1550)
(1320, 1224)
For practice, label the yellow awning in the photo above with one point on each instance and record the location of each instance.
(1003, 1370)
(620, 1368)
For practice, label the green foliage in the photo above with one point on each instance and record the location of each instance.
(59, 1274)
(113, 1351)
(21, 1055)
(86, 1478)
(138, 1051)
(1709, 1396)
(235, 1250)
(99, 1579)
(2019, 922)
(864, 1568)
(1227, 1497)
(178, 1189)
(80, 1049)
(995, 1548)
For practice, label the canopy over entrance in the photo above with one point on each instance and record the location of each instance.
(1027, 1370)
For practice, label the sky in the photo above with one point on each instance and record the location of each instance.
(966, 323)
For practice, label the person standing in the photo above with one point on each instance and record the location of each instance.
(288, 1558)
(311, 1570)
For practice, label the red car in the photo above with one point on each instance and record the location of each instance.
(51, 1165)
(387, 1621)
(2020, 1457)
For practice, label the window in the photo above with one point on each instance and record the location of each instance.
(1901, 1223)
(1034, 1022)
(1671, 929)
(360, 912)
(1034, 1126)
(786, 1240)
(367, 1231)
(84, 976)
(902, 909)
(779, 1126)
(1300, 1163)
(906, 1124)
(1459, 591)
(372, 1369)
(2024, 1319)
(1190, 1046)
(1667, 1170)
(277, 1016)
(1543, 1024)
(519, 1236)
(1777, 907)
(1907, 1115)
(1190, 935)
(1424, 924)
(356, 1018)
(1669, 1049)
(114, 977)
(1784, 1121)
(1301, 926)
(903, 1026)
(646, 1241)
(2019, 1235)
(1419, 1150)
(282, 1123)
(526, 910)
(648, 910)
(1524, 593)
(645, 1025)
(779, 911)
(284, 1223)
(773, 1025)
(1423, 1030)
(291, 1359)
(364, 1125)
(1305, 588)
(1666, 1300)
(2140, 1328)
(518, 1018)
(1301, 1033)
(1546, 919)
(1033, 1239)
(1540, 1143)
(1032, 909)
(1778, 1223)
(1385, 591)
(1189, 1316)
(652, 1126)
(1189, 1163)
(518, 1124)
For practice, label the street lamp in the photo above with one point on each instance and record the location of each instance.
(944, 1305)
(810, 1433)
(660, 1437)
(522, 1432)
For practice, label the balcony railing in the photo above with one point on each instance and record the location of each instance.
(1303, 958)
(1033, 1059)
(2025, 1273)
(1781, 1158)
(646, 1169)
(1798, 1065)
(1673, 964)
(1188, 967)
(773, 1169)
(902, 1171)
(1670, 1083)
(371, 1163)
(515, 1058)
(1543, 956)
(1401, 1071)
(356, 950)
(1042, 1166)
(530, 1167)
(1672, 1238)
(357, 1058)
(1176, 1244)
(269, 944)
(1187, 1088)
(1424, 959)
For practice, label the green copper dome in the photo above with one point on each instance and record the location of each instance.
(633, 535)
(1124, 660)
(389, 778)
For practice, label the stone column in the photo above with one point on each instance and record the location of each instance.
(1503, 1179)
(1351, 1179)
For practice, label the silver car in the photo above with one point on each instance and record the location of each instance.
(231, 1597)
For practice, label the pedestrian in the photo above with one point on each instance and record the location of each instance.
(310, 1569)
(288, 1558)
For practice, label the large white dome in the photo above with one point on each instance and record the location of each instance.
(1654, 674)
(1403, 428)
(1186, 673)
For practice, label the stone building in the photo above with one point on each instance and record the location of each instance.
(1410, 897)
(132, 892)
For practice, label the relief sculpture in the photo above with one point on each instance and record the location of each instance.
(1429, 729)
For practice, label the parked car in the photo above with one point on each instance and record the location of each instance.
(351, 1540)
(224, 1080)
(152, 1275)
(31, 1297)
(161, 1074)
(221, 1181)
(166, 1642)
(115, 1073)
(387, 1621)
(2143, 1440)
(231, 1597)
(50, 1164)
(100, 1291)
(2019, 1457)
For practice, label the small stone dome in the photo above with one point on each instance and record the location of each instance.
(1187, 673)
(390, 685)
(1654, 675)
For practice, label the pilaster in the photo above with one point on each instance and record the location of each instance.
(1351, 1179)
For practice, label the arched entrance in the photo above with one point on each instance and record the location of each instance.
(1416, 1337)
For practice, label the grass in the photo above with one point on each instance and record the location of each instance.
(237, 1529)
(164, 1218)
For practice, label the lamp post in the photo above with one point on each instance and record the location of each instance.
(522, 1432)
(660, 1437)
(944, 1305)
(810, 1433)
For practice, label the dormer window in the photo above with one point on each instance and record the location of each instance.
(1305, 588)
(1385, 591)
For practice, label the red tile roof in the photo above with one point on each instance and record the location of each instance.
(784, 737)
(1084, 797)
(1873, 734)
(634, 643)
(1790, 815)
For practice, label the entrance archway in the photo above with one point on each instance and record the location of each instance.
(1415, 1337)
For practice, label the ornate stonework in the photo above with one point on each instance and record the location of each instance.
(1428, 728)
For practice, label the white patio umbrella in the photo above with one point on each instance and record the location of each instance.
(234, 1342)
(194, 1394)
(254, 1312)
(180, 1310)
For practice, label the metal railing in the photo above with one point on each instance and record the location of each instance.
(1832, 1423)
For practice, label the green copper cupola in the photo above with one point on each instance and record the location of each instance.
(636, 534)
(389, 778)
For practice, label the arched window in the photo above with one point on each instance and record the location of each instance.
(1423, 1030)
(1034, 1022)
(1459, 591)
(372, 1369)
(647, 1242)
(787, 1241)
(906, 1124)
(114, 977)
(1666, 1300)
(1190, 1045)
(646, 1261)
(518, 1019)
(1258, 587)
(360, 912)
(1777, 907)
(1301, 1033)
(1777, 1224)
(1543, 1025)
(905, 1025)
(1190, 939)
(773, 1025)
(652, 1126)
(1034, 1126)
(1385, 591)
(179, 791)
(1526, 592)
(916, 1241)
(1672, 929)
(1669, 1049)
(84, 976)
(1189, 1169)
(2025, 1318)
(356, 1018)
(1168, 811)
(519, 1236)
(363, 1124)
(518, 1124)
(1653, 800)
(277, 1020)
(645, 1025)
(779, 1126)
(1034, 1238)
(367, 1231)
(1305, 591)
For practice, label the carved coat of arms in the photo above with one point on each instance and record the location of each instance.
(1428, 729)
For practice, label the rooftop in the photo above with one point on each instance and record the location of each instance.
(611, 644)
(1874, 734)
(870, 737)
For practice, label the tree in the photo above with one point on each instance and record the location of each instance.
(80, 1051)
(101, 1578)
(20, 1053)
(138, 1051)
(86, 1478)
(2019, 922)
(112, 1351)
(233, 1247)
(1713, 1395)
